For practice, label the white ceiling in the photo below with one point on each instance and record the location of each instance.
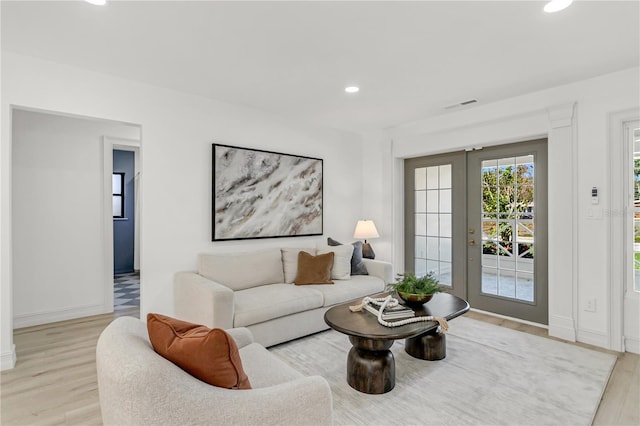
(411, 59)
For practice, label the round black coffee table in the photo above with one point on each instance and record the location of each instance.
(370, 363)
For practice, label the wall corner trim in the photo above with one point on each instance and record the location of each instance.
(8, 359)
(562, 328)
(561, 115)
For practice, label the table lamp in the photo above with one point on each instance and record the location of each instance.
(366, 229)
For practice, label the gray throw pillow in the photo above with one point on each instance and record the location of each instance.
(357, 265)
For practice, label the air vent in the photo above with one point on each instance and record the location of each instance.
(463, 103)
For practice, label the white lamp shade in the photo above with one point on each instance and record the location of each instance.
(365, 229)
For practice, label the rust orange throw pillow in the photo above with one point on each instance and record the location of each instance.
(210, 355)
(314, 269)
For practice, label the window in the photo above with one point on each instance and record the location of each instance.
(118, 195)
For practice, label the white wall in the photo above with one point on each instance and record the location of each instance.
(376, 175)
(7, 349)
(177, 132)
(578, 160)
(57, 211)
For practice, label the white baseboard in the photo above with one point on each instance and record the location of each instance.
(593, 337)
(8, 359)
(632, 345)
(535, 324)
(28, 320)
(562, 328)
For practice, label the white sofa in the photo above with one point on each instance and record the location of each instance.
(255, 290)
(139, 387)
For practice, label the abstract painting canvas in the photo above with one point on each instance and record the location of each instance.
(263, 194)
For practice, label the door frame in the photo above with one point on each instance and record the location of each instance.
(553, 120)
(110, 144)
(460, 250)
(616, 262)
(539, 148)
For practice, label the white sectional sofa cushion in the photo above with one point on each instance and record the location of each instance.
(243, 270)
(341, 269)
(290, 262)
(266, 302)
(343, 290)
(251, 290)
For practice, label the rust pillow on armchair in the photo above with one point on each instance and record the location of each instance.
(314, 269)
(210, 355)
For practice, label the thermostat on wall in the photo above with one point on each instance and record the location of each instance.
(594, 195)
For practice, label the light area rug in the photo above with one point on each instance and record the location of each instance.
(491, 376)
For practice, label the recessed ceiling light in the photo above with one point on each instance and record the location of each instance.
(557, 5)
(97, 2)
(352, 89)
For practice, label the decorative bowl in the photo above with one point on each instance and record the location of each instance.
(414, 299)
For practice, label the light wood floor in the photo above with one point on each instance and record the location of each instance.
(54, 381)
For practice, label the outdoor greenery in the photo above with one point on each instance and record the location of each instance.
(409, 283)
(507, 194)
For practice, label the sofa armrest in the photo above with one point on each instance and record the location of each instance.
(176, 401)
(380, 269)
(241, 335)
(311, 396)
(202, 301)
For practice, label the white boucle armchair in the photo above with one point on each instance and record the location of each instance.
(139, 387)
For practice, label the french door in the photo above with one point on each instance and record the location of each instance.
(435, 219)
(477, 220)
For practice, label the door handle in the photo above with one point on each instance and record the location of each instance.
(472, 242)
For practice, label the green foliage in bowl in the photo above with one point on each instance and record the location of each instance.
(409, 283)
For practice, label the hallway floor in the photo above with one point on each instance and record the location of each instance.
(126, 291)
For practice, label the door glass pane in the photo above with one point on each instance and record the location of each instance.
(432, 177)
(445, 273)
(432, 225)
(445, 249)
(421, 247)
(421, 201)
(432, 201)
(445, 225)
(445, 176)
(445, 201)
(432, 248)
(420, 178)
(421, 267)
(433, 253)
(508, 235)
(421, 224)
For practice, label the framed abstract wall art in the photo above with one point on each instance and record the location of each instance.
(264, 194)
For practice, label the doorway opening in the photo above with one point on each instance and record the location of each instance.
(125, 180)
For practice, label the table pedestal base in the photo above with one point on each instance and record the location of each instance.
(371, 367)
(429, 346)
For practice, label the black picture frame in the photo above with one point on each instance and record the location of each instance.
(265, 194)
